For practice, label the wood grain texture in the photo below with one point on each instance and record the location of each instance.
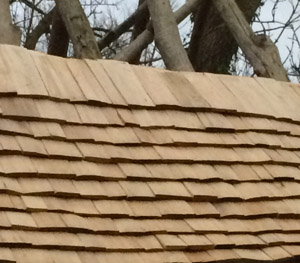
(129, 175)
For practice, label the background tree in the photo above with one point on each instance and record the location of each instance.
(208, 41)
(9, 33)
(212, 46)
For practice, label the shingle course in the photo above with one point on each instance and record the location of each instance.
(101, 161)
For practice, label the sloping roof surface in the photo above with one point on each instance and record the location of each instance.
(102, 162)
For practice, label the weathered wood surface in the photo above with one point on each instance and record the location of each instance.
(9, 33)
(260, 51)
(79, 29)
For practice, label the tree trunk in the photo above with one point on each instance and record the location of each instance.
(212, 46)
(259, 50)
(79, 29)
(140, 25)
(167, 36)
(59, 39)
(9, 33)
(145, 38)
(42, 28)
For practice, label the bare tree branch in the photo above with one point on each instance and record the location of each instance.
(33, 6)
(259, 50)
(144, 39)
(42, 28)
(140, 25)
(122, 28)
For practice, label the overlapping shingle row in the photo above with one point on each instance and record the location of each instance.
(105, 162)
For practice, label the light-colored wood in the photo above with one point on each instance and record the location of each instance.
(126, 116)
(199, 256)
(219, 239)
(7, 255)
(226, 172)
(201, 191)
(69, 85)
(106, 83)
(135, 170)
(112, 116)
(78, 133)
(214, 120)
(171, 242)
(92, 151)
(7, 86)
(254, 254)
(127, 83)
(181, 119)
(74, 221)
(169, 189)
(272, 239)
(187, 97)
(20, 62)
(197, 242)
(206, 225)
(144, 209)
(22, 220)
(50, 110)
(48, 220)
(33, 186)
(160, 171)
(13, 127)
(133, 226)
(224, 254)
(252, 155)
(19, 107)
(91, 115)
(276, 253)
(30, 145)
(174, 208)
(117, 175)
(242, 240)
(9, 143)
(204, 209)
(54, 167)
(154, 84)
(50, 76)
(64, 187)
(16, 165)
(122, 135)
(70, 113)
(6, 201)
(56, 148)
(292, 250)
(112, 207)
(34, 203)
(87, 82)
(245, 173)
(175, 226)
(90, 189)
(137, 190)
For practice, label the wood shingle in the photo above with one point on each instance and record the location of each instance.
(101, 161)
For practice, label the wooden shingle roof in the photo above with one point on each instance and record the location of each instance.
(102, 162)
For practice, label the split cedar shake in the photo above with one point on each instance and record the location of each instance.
(103, 162)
